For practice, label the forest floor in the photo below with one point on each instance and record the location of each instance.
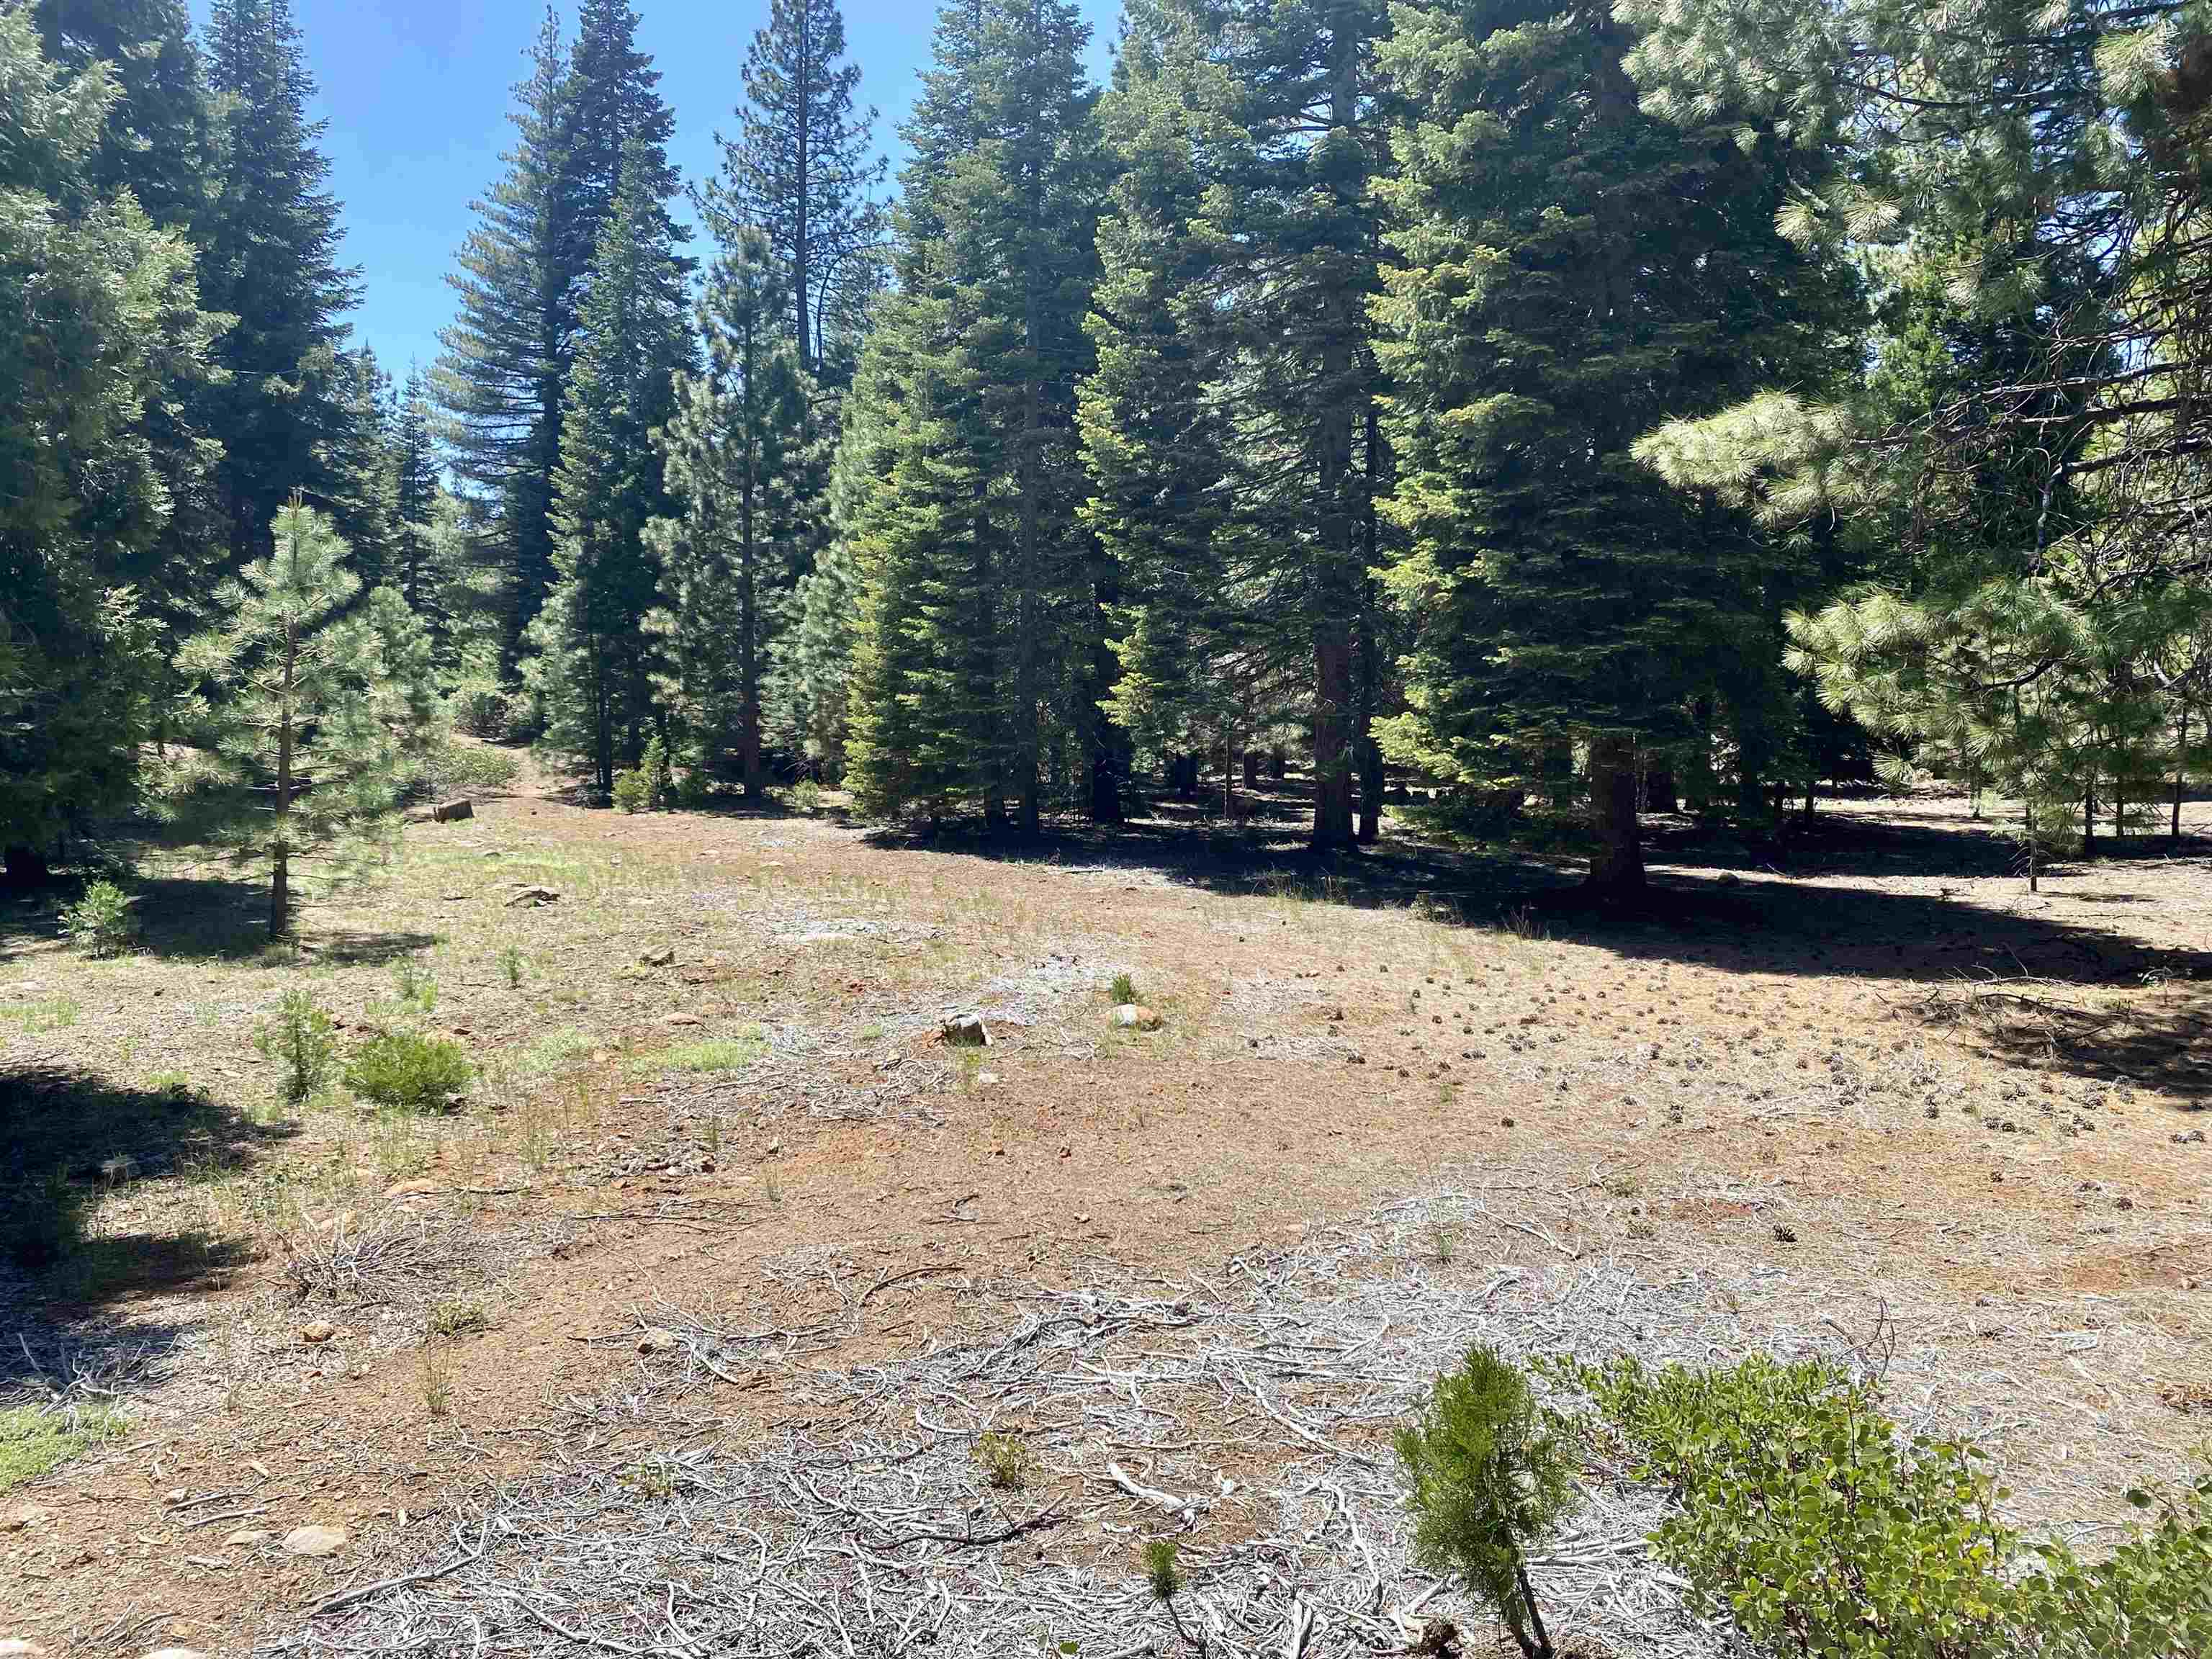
(734, 1312)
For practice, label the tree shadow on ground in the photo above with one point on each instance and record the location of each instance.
(1917, 945)
(205, 919)
(69, 1137)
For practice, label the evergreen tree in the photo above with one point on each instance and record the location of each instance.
(505, 367)
(415, 492)
(99, 330)
(803, 170)
(736, 456)
(156, 141)
(1574, 271)
(594, 683)
(361, 461)
(609, 106)
(269, 259)
(995, 263)
(308, 723)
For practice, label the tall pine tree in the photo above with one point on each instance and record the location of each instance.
(803, 170)
(270, 258)
(1575, 270)
(980, 568)
(738, 462)
(594, 660)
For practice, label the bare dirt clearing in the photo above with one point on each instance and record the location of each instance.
(680, 1336)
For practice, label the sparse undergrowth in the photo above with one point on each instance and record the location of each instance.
(37, 1439)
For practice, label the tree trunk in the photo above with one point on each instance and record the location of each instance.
(1372, 779)
(1251, 769)
(280, 876)
(1032, 450)
(2180, 763)
(2088, 821)
(1617, 866)
(1279, 763)
(1660, 794)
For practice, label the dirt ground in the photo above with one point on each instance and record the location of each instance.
(719, 1192)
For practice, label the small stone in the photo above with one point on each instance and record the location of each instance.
(706, 1166)
(18, 1647)
(1135, 1017)
(656, 1341)
(986, 1078)
(176, 1495)
(684, 1019)
(774, 1147)
(659, 958)
(965, 1031)
(315, 1541)
(31, 1514)
(246, 1538)
(321, 1331)
(410, 1188)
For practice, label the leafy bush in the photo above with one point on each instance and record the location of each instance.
(1123, 989)
(299, 1037)
(417, 986)
(410, 1070)
(1487, 1476)
(2151, 1599)
(485, 709)
(660, 781)
(511, 963)
(632, 793)
(465, 768)
(98, 923)
(806, 796)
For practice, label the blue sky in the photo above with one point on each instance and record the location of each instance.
(417, 95)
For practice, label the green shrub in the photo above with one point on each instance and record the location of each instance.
(510, 962)
(806, 796)
(632, 793)
(485, 709)
(466, 768)
(1123, 989)
(1487, 1476)
(36, 1439)
(1806, 1516)
(1006, 1460)
(98, 923)
(417, 985)
(409, 1070)
(299, 1038)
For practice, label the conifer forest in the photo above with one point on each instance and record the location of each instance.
(1496, 711)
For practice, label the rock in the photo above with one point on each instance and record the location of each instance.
(321, 1331)
(31, 1514)
(1135, 1017)
(986, 1078)
(533, 896)
(965, 1031)
(246, 1538)
(684, 1020)
(315, 1541)
(410, 1188)
(659, 958)
(773, 1148)
(450, 812)
(17, 1647)
(656, 1341)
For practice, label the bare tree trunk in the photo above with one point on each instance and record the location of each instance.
(1251, 770)
(1617, 866)
(280, 875)
(2181, 763)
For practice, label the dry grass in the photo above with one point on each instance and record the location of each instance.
(1802, 1098)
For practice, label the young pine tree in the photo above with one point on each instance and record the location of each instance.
(738, 462)
(593, 676)
(803, 170)
(306, 723)
(1575, 271)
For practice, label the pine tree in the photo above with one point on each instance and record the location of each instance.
(804, 170)
(593, 681)
(270, 258)
(362, 462)
(157, 143)
(415, 492)
(505, 367)
(308, 723)
(995, 261)
(101, 331)
(608, 105)
(736, 454)
(1574, 271)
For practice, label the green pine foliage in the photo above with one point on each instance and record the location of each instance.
(306, 723)
(1573, 271)
(593, 676)
(739, 462)
(803, 172)
(102, 336)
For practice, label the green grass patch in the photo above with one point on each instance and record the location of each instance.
(35, 1440)
(711, 1054)
(53, 1014)
(556, 1049)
